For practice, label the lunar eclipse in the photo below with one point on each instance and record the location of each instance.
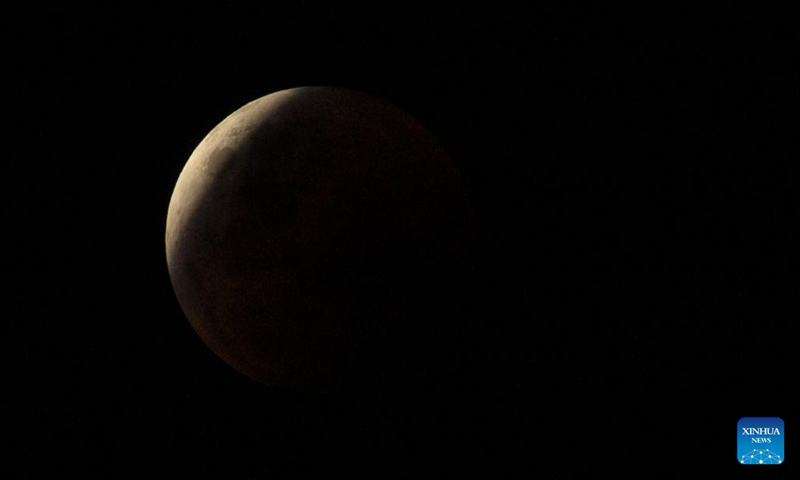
(311, 237)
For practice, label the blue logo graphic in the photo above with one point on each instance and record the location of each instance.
(760, 441)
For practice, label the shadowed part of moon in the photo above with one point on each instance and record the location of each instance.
(314, 239)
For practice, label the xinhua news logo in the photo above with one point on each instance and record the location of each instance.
(760, 441)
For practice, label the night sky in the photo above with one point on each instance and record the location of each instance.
(632, 289)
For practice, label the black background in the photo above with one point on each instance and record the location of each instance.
(633, 290)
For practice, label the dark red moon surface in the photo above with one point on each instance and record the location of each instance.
(311, 239)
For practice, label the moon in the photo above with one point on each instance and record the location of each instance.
(311, 238)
